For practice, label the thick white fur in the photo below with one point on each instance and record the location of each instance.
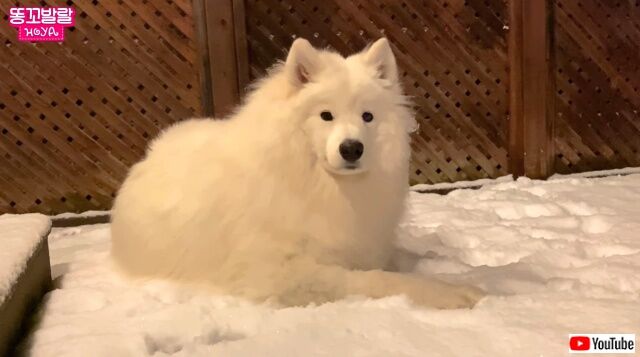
(260, 205)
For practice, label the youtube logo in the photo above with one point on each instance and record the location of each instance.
(608, 343)
(579, 343)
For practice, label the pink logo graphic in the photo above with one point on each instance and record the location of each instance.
(37, 24)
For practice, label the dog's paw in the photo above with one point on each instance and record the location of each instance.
(441, 295)
(461, 297)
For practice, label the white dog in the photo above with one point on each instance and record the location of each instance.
(295, 197)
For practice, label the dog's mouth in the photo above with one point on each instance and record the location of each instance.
(346, 170)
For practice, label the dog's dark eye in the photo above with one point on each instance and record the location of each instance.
(366, 116)
(326, 116)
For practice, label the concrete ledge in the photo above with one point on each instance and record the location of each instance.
(24, 297)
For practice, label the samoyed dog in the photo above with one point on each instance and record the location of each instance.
(293, 199)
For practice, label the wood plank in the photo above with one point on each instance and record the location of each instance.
(242, 47)
(516, 115)
(222, 55)
(538, 88)
(204, 64)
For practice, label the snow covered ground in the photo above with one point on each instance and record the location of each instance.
(19, 238)
(556, 257)
(85, 214)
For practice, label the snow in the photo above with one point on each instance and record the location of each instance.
(84, 214)
(508, 178)
(459, 184)
(19, 237)
(599, 173)
(556, 257)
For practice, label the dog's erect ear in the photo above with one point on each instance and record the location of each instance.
(380, 56)
(302, 62)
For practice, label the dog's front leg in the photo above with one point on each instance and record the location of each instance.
(423, 291)
(321, 283)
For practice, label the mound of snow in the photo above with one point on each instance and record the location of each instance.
(556, 257)
(19, 238)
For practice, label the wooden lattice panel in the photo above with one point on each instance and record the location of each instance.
(453, 60)
(74, 116)
(597, 125)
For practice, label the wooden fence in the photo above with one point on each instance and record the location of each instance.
(529, 87)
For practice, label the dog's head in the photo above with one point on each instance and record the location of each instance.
(351, 109)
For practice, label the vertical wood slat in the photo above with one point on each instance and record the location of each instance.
(242, 47)
(221, 42)
(538, 88)
(223, 53)
(516, 116)
(532, 83)
(204, 64)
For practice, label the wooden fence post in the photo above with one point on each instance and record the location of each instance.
(532, 91)
(222, 47)
(516, 119)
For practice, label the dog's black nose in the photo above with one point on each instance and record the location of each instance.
(351, 150)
